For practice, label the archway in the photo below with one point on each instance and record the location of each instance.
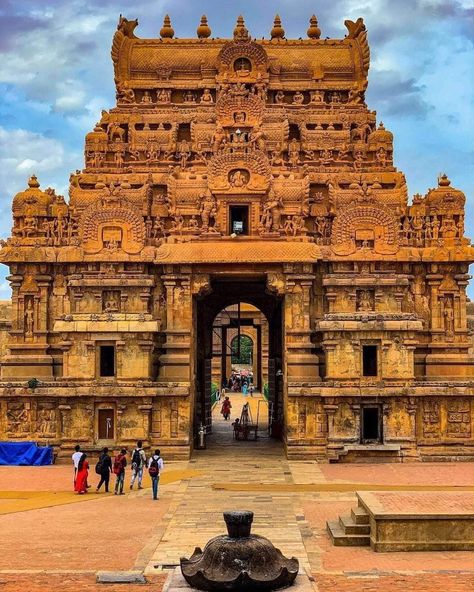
(238, 308)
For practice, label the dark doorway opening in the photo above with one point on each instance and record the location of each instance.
(239, 219)
(106, 424)
(107, 360)
(369, 360)
(225, 300)
(371, 425)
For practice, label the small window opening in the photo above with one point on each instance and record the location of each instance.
(371, 424)
(238, 217)
(369, 360)
(107, 360)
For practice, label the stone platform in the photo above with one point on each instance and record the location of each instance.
(408, 521)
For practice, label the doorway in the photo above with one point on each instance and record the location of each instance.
(106, 424)
(371, 424)
(230, 325)
(239, 220)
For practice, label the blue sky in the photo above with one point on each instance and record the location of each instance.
(56, 76)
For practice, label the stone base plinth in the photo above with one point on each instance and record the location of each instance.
(419, 521)
(177, 583)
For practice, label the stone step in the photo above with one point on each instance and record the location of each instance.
(351, 527)
(359, 515)
(341, 539)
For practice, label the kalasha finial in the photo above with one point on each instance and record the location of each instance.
(443, 181)
(314, 32)
(241, 32)
(33, 181)
(167, 31)
(204, 30)
(278, 32)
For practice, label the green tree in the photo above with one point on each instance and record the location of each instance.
(246, 350)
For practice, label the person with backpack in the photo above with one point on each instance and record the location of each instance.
(155, 466)
(120, 462)
(138, 464)
(104, 468)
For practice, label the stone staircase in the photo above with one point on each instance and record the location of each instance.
(350, 531)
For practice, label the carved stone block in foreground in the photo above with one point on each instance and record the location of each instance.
(240, 561)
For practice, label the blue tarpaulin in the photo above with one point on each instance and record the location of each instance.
(25, 453)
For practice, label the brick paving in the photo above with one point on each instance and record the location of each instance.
(133, 532)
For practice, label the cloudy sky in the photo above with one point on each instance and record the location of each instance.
(56, 76)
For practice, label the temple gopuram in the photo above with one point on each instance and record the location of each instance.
(240, 171)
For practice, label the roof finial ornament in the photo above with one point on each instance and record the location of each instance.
(33, 181)
(241, 32)
(204, 30)
(443, 180)
(278, 32)
(167, 31)
(314, 32)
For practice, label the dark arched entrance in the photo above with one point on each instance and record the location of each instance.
(226, 292)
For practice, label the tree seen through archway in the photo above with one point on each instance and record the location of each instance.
(246, 350)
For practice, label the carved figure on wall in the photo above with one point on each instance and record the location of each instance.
(158, 229)
(115, 132)
(364, 301)
(206, 97)
(163, 95)
(257, 138)
(435, 226)
(280, 97)
(381, 157)
(316, 96)
(111, 301)
(238, 178)
(294, 148)
(240, 117)
(189, 97)
(271, 216)
(177, 223)
(356, 95)
(29, 318)
(47, 422)
(448, 313)
(207, 210)
(218, 138)
(193, 223)
(298, 98)
(124, 94)
(294, 225)
(183, 153)
(448, 228)
(17, 418)
(147, 97)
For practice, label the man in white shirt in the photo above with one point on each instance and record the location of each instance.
(155, 466)
(76, 457)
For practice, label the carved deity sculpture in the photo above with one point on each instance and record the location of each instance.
(271, 216)
(163, 95)
(238, 179)
(218, 139)
(124, 94)
(147, 97)
(316, 96)
(364, 301)
(280, 97)
(448, 312)
(257, 138)
(294, 152)
(183, 153)
(298, 98)
(206, 97)
(207, 210)
(29, 318)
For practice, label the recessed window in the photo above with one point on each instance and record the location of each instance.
(107, 360)
(371, 425)
(369, 360)
(238, 219)
(242, 66)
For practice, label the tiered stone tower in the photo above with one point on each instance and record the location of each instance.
(236, 169)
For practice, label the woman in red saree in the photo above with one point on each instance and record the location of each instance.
(80, 485)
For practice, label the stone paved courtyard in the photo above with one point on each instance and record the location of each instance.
(51, 538)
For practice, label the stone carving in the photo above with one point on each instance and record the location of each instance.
(46, 422)
(459, 418)
(431, 418)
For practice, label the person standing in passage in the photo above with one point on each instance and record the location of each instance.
(155, 466)
(138, 464)
(120, 462)
(76, 457)
(251, 389)
(226, 407)
(104, 468)
(80, 485)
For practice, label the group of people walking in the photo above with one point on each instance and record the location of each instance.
(105, 467)
(240, 381)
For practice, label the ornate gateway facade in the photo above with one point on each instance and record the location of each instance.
(235, 170)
